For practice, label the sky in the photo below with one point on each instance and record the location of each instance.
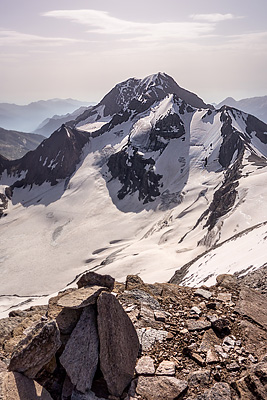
(82, 48)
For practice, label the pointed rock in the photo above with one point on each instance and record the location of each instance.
(36, 350)
(81, 297)
(80, 357)
(119, 344)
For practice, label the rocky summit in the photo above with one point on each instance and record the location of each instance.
(134, 340)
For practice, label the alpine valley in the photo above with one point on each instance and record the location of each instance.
(151, 181)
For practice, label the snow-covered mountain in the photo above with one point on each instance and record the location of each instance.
(26, 118)
(253, 105)
(150, 185)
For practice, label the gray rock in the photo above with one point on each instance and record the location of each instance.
(203, 293)
(253, 306)
(145, 366)
(199, 378)
(224, 297)
(81, 297)
(160, 387)
(219, 391)
(15, 386)
(212, 357)
(133, 282)
(119, 344)
(198, 325)
(148, 337)
(166, 368)
(94, 279)
(36, 350)
(160, 316)
(89, 395)
(195, 310)
(80, 357)
(144, 298)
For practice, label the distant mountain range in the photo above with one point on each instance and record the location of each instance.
(27, 118)
(49, 125)
(15, 144)
(254, 105)
(149, 181)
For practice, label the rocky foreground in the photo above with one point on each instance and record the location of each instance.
(109, 340)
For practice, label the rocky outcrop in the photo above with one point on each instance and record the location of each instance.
(195, 344)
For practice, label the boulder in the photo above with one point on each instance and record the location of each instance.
(227, 281)
(221, 327)
(15, 386)
(119, 344)
(203, 293)
(148, 337)
(166, 368)
(198, 378)
(81, 297)
(94, 279)
(36, 350)
(219, 391)
(160, 387)
(253, 306)
(145, 366)
(198, 325)
(134, 282)
(80, 356)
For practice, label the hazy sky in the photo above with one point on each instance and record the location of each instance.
(82, 48)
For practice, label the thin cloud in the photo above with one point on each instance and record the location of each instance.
(100, 22)
(213, 17)
(9, 38)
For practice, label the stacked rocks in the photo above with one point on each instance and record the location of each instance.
(85, 332)
(137, 341)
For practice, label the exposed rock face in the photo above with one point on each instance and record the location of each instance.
(15, 386)
(80, 357)
(54, 159)
(135, 173)
(118, 346)
(33, 352)
(94, 279)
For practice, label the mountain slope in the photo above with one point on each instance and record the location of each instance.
(146, 191)
(15, 144)
(254, 105)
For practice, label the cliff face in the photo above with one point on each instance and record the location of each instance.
(140, 341)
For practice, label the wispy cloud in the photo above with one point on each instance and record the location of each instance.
(213, 17)
(9, 38)
(101, 22)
